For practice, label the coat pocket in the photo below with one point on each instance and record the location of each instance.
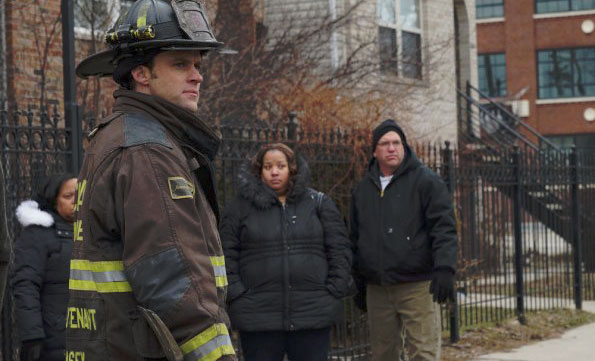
(147, 344)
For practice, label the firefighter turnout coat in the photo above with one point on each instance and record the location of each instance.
(146, 235)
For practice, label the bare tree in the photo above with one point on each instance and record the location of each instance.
(94, 18)
(284, 65)
(43, 24)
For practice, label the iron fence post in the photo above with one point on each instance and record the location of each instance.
(292, 125)
(453, 308)
(469, 118)
(71, 119)
(518, 236)
(576, 230)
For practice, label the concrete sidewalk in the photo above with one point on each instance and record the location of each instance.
(576, 345)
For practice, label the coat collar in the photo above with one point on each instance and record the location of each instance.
(409, 163)
(251, 187)
(188, 127)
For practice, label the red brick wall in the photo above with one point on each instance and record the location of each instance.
(29, 34)
(562, 32)
(491, 38)
(564, 118)
(520, 37)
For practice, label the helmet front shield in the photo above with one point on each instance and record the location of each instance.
(192, 20)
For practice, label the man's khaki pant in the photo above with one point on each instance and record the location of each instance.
(403, 315)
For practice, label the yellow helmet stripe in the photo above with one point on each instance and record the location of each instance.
(141, 20)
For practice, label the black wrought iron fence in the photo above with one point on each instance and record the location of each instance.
(523, 217)
(33, 145)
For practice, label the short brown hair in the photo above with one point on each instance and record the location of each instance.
(257, 160)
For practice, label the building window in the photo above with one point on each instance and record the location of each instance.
(99, 14)
(580, 141)
(566, 73)
(492, 74)
(399, 37)
(556, 6)
(584, 143)
(489, 9)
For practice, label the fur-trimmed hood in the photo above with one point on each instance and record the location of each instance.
(29, 214)
(251, 187)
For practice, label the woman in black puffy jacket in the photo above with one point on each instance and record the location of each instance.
(288, 260)
(42, 268)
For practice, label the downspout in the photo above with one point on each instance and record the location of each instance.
(332, 7)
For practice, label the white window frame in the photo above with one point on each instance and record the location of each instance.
(483, 19)
(82, 32)
(563, 12)
(399, 27)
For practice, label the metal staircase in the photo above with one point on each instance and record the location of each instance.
(491, 134)
(493, 124)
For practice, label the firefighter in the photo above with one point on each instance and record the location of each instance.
(147, 275)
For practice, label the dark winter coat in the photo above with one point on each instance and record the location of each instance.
(403, 233)
(40, 277)
(147, 236)
(288, 266)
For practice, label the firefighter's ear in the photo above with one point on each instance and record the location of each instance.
(141, 75)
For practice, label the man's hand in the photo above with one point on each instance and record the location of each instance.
(442, 286)
(31, 350)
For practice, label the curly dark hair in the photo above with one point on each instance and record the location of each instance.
(257, 161)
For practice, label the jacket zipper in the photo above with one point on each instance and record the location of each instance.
(381, 241)
(286, 247)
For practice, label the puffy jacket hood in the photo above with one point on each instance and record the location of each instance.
(251, 187)
(29, 214)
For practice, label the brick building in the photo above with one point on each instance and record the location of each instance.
(540, 56)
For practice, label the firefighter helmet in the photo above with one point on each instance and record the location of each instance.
(151, 25)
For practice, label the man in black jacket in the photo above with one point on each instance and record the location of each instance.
(404, 238)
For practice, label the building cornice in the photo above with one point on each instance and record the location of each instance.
(564, 14)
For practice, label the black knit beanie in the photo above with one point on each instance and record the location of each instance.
(385, 127)
(48, 192)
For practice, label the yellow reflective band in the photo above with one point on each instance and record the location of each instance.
(219, 352)
(209, 345)
(101, 287)
(220, 281)
(99, 276)
(218, 261)
(142, 15)
(204, 337)
(99, 266)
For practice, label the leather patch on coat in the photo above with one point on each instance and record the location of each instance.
(139, 129)
(180, 188)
